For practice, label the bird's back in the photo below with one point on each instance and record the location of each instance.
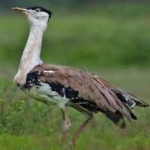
(68, 86)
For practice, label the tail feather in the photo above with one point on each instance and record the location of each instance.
(116, 118)
(137, 101)
(129, 102)
(128, 99)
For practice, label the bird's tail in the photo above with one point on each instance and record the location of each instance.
(128, 99)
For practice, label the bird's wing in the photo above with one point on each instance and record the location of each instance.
(83, 85)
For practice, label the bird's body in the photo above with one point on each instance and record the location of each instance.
(65, 86)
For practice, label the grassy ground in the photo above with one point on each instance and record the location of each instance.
(31, 125)
(114, 38)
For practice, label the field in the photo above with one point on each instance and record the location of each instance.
(113, 42)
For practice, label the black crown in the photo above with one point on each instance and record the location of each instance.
(39, 8)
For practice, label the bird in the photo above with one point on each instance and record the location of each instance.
(65, 86)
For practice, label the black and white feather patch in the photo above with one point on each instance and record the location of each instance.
(67, 92)
(32, 80)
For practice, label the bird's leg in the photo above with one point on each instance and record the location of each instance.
(84, 124)
(66, 123)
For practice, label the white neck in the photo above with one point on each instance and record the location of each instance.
(31, 54)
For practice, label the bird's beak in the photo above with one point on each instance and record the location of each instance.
(23, 10)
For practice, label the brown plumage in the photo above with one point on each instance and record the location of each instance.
(66, 86)
(94, 93)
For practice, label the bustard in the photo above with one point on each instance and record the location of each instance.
(66, 86)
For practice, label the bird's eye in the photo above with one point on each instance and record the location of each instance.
(37, 10)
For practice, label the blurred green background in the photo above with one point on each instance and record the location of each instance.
(109, 38)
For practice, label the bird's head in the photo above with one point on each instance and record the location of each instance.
(37, 16)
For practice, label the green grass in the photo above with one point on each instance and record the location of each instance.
(27, 124)
(104, 141)
(112, 41)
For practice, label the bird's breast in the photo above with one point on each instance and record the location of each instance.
(45, 92)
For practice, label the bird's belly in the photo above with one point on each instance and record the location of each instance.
(44, 94)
